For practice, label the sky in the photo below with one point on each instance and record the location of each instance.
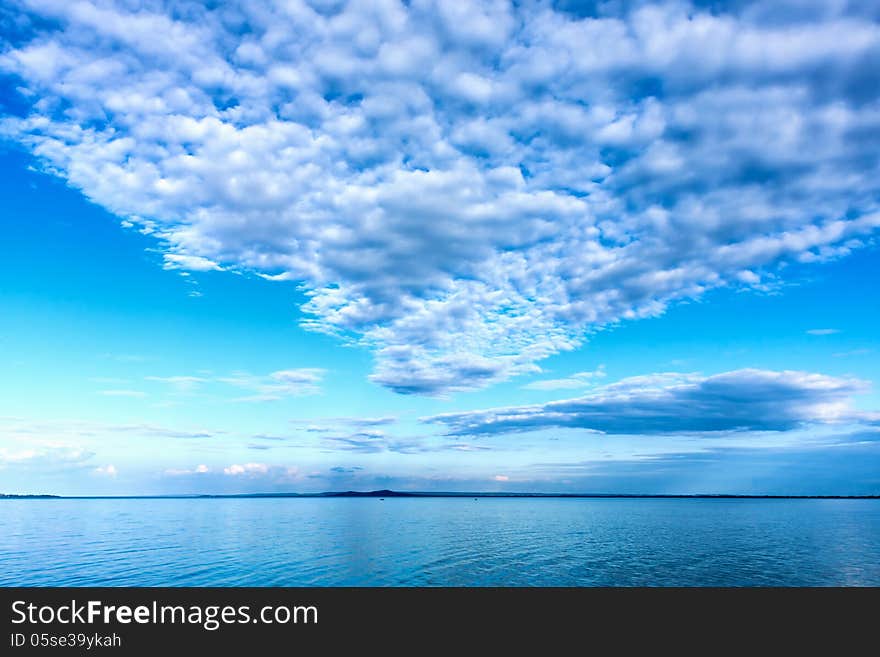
(597, 247)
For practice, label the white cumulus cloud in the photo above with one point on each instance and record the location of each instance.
(465, 188)
(106, 471)
(247, 468)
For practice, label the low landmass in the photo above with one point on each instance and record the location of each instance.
(4, 496)
(382, 494)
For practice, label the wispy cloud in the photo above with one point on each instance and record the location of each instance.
(823, 331)
(158, 431)
(375, 441)
(31, 429)
(123, 393)
(190, 262)
(573, 382)
(330, 424)
(270, 387)
(372, 441)
(183, 384)
(126, 358)
(278, 385)
(263, 436)
(852, 352)
(846, 468)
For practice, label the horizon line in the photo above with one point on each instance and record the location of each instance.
(382, 493)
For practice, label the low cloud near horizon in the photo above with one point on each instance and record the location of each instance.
(742, 400)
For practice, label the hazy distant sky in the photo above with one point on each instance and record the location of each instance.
(291, 245)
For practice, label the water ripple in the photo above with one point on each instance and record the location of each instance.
(439, 542)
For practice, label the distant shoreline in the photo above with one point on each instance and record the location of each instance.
(407, 494)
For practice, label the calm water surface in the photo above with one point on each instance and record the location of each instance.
(439, 542)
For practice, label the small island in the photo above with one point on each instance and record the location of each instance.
(5, 496)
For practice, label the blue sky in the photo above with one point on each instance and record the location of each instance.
(610, 247)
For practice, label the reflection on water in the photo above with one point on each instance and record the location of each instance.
(439, 542)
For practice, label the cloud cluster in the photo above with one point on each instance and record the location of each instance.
(464, 187)
(741, 400)
(372, 441)
(243, 472)
(246, 469)
(374, 435)
(43, 454)
(177, 472)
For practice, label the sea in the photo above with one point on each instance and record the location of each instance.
(458, 542)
